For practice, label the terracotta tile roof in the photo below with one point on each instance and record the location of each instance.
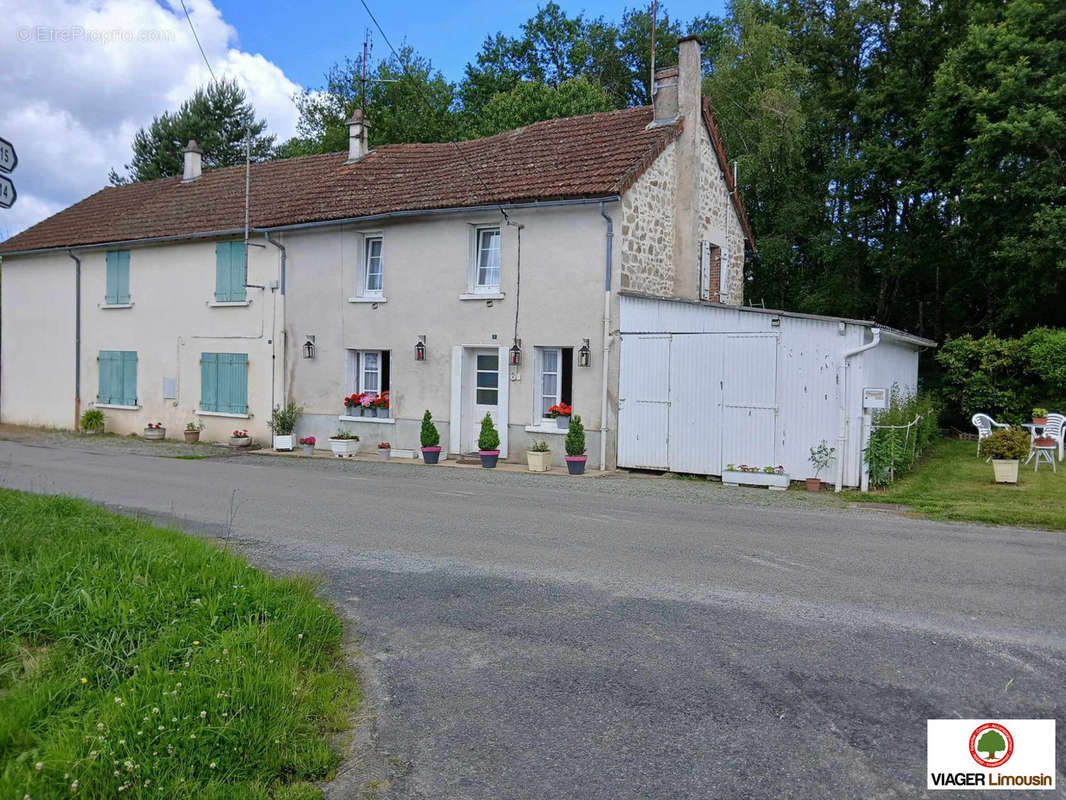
(587, 156)
(575, 157)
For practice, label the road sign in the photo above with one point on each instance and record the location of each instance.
(8, 157)
(7, 192)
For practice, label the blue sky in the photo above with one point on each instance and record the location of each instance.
(306, 38)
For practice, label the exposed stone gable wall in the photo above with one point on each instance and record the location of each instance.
(648, 230)
(718, 222)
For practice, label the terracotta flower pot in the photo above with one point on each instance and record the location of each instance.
(192, 437)
(814, 484)
(1040, 420)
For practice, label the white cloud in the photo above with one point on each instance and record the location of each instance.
(83, 75)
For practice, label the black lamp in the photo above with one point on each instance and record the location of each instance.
(516, 353)
(309, 347)
(584, 355)
(420, 348)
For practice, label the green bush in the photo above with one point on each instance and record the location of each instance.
(575, 437)
(488, 439)
(1006, 443)
(1003, 377)
(283, 420)
(894, 450)
(430, 437)
(92, 420)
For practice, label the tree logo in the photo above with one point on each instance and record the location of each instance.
(989, 740)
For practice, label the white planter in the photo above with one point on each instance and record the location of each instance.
(344, 448)
(383, 454)
(283, 442)
(539, 461)
(770, 480)
(1005, 470)
(240, 441)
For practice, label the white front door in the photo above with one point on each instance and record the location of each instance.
(484, 396)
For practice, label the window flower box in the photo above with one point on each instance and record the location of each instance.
(561, 412)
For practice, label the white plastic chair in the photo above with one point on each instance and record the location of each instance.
(984, 425)
(1056, 429)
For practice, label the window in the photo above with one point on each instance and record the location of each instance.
(553, 382)
(224, 382)
(118, 278)
(487, 276)
(488, 379)
(368, 371)
(373, 266)
(230, 272)
(117, 384)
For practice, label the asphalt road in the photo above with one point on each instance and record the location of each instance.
(532, 636)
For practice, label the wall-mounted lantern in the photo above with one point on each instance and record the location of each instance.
(309, 347)
(516, 353)
(420, 348)
(584, 355)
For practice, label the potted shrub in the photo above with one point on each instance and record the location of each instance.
(381, 405)
(539, 457)
(821, 457)
(384, 450)
(192, 432)
(155, 431)
(352, 407)
(488, 443)
(1040, 416)
(344, 444)
(575, 447)
(92, 421)
(1006, 447)
(240, 438)
(561, 413)
(282, 423)
(307, 443)
(430, 439)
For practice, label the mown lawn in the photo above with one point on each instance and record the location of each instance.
(953, 482)
(140, 662)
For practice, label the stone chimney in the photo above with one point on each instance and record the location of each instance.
(687, 176)
(193, 162)
(357, 136)
(664, 100)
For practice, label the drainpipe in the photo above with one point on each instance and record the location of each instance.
(274, 332)
(842, 436)
(606, 335)
(77, 339)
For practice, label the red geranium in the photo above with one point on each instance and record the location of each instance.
(560, 410)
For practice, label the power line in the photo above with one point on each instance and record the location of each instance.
(197, 38)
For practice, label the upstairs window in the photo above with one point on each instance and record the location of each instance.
(118, 278)
(373, 266)
(487, 266)
(230, 272)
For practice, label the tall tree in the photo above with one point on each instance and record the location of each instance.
(529, 102)
(218, 116)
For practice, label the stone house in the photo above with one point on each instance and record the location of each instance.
(465, 278)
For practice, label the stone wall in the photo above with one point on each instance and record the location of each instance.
(718, 222)
(647, 229)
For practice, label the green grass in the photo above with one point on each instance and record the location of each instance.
(953, 482)
(140, 662)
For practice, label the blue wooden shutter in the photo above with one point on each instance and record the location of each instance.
(222, 272)
(233, 383)
(124, 276)
(129, 377)
(111, 293)
(209, 381)
(109, 371)
(229, 272)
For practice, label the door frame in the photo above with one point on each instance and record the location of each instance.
(462, 354)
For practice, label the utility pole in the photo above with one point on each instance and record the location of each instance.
(368, 46)
(651, 84)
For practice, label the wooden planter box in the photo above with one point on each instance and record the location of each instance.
(770, 480)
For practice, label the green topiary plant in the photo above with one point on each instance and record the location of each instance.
(575, 437)
(1006, 444)
(283, 420)
(1039, 413)
(92, 420)
(488, 439)
(430, 436)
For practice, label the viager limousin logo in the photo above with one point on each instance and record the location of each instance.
(991, 754)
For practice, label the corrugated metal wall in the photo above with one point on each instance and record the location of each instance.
(703, 386)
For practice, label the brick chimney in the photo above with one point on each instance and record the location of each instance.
(687, 167)
(193, 162)
(357, 136)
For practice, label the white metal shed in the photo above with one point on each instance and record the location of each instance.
(705, 385)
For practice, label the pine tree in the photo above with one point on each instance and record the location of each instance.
(575, 437)
(489, 439)
(430, 434)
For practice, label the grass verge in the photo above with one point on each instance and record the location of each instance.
(953, 482)
(141, 662)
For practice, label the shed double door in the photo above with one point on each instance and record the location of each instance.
(693, 402)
